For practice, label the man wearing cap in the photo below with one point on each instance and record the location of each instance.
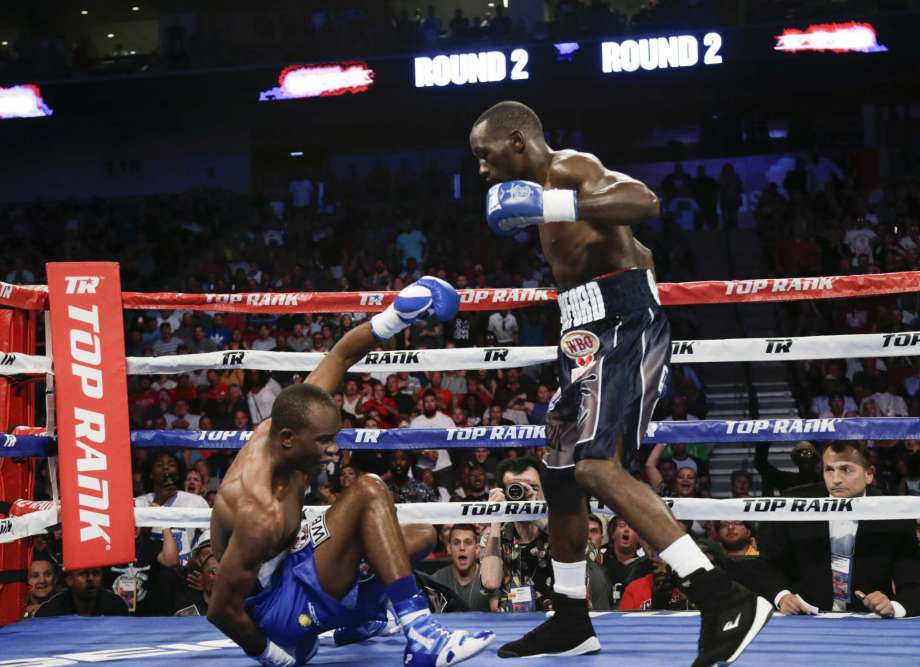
(804, 456)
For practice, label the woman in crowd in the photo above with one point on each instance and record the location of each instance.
(43, 582)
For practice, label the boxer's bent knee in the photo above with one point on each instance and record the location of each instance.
(421, 539)
(423, 533)
(561, 490)
(371, 486)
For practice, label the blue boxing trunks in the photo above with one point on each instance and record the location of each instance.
(290, 606)
(613, 356)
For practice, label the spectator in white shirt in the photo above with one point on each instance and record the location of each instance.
(319, 343)
(298, 342)
(173, 317)
(912, 381)
(504, 327)
(437, 460)
(164, 382)
(265, 341)
(860, 240)
(889, 405)
(311, 326)
(263, 389)
(821, 405)
(352, 399)
(182, 420)
(164, 474)
(836, 406)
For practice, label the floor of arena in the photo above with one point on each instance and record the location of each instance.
(652, 639)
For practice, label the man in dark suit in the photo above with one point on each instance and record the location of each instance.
(841, 565)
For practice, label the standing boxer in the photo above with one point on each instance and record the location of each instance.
(613, 357)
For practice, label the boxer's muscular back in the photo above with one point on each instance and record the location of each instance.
(246, 494)
(580, 251)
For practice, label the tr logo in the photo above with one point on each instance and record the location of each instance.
(496, 354)
(233, 358)
(81, 284)
(682, 347)
(367, 435)
(778, 345)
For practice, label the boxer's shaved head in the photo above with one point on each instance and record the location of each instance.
(294, 406)
(508, 116)
(508, 141)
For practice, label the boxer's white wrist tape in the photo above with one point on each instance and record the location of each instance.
(275, 656)
(559, 206)
(387, 324)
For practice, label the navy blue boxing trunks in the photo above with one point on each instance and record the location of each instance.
(613, 356)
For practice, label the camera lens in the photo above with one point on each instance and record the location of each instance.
(515, 491)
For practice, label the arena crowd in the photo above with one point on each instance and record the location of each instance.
(383, 233)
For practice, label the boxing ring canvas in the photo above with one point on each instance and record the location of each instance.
(638, 639)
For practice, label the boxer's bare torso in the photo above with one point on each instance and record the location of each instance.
(580, 251)
(249, 493)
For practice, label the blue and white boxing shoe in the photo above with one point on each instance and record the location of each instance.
(430, 644)
(384, 626)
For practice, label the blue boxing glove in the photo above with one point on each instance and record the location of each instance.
(515, 204)
(426, 295)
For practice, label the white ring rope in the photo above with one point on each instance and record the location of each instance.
(906, 343)
(875, 508)
(35, 523)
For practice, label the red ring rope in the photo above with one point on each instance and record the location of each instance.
(35, 297)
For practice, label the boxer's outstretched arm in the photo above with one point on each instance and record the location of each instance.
(248, 548)
(426, 295)
(343, 355)
(604, 196)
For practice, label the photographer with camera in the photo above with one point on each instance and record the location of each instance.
(515, 558)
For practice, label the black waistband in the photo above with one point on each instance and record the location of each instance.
(607, 296)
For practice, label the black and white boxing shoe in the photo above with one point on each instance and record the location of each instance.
(730, 616)
(567, 632)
